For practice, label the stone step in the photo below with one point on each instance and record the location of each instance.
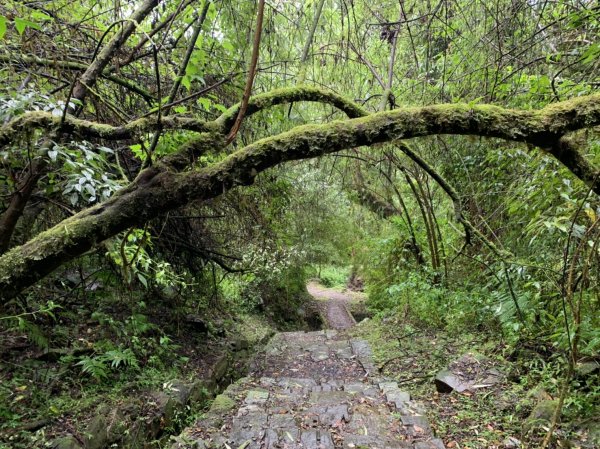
(333, 403)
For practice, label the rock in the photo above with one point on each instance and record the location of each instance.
(416, 425)
(313, 439)
(179, 390)
(447, 382)
(512, 443)
(68, 442)
(106, 428)
(222, 404)
(220, 367)
(247, 427)
(329, 397)
(585, 369)
(540, 415)
(168, 406)
(201, 390)
(469, 372)
(239, 344)
(145, 428)
(256, 397)
(431, 444)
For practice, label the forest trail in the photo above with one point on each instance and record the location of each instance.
(334, 306)
(313, 390)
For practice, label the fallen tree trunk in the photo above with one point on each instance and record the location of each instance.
(161, 188)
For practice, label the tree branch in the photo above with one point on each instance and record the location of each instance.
(78, 66)
(251, 72)
(43, 120)
(94, 70)
(162, 190)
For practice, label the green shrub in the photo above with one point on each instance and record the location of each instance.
(333, 276)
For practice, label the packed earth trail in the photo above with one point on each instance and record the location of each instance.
(313, 390)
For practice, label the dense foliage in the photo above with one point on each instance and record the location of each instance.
(465, 233)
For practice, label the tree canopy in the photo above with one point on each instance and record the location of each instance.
(101, 100)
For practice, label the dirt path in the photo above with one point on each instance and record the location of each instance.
(333, 305)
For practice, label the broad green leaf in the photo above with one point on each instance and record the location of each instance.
(205, 103)
(40, 16)
(227, 45)
(2, 26)
(142, 279)
(185, 81)
(22, 24)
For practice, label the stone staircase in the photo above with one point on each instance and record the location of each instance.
(312, 390)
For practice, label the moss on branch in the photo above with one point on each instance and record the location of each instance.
(543, 128)
(87, 129)
(163, 190)
(289, 95)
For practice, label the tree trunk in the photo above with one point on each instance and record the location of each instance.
(18, 201)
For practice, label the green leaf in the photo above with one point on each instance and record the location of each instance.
(205, 103)
(142, 279)
(212, 11)
(40, 16)
(186, 82)
(91, 190)
(591, 54)
(22, 24)
(2, 26)
(227, 45)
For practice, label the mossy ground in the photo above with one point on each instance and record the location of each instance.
(487, 418)
(45, 393)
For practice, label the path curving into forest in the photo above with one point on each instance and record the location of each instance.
(333, 305)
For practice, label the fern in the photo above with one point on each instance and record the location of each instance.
(95, 367)
(118, 357)
(34, 333)
(99, 367)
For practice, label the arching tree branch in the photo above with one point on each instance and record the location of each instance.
(162, 190)
(86, 129)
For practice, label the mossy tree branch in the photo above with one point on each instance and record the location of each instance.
(38, 165)
(161, 189)
(29, 121)
(95, 69)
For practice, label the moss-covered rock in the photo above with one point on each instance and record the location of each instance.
(222, 404)
(107, 427)
(68, 442)
(541, 415)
